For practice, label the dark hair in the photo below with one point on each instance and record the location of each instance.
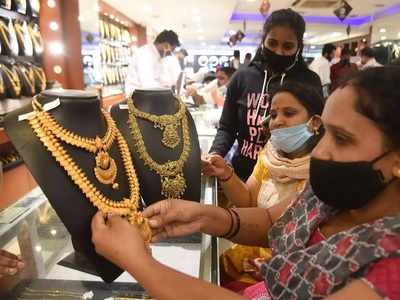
(236, 53)
(227, 70)
(284, 17)
(310, 99)
(305, 94)
(345, 51)
(168, 36)
(328, 48)
(379, 99)
(247, 56)
(368, 52)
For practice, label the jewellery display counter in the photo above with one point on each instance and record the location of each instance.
(30, 227)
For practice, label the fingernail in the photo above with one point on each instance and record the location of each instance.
(12, 271)
(21, 264)
(153, 223)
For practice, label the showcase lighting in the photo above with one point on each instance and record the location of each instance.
(51, 3)
(53, 26)
(56, 48)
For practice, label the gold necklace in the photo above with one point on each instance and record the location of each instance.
(128, 206)
(106, 168)
(167, 123)
(29, 77)
(173, 183)
(41, 76)
(14, 80)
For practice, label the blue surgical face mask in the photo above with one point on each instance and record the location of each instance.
(290, 139)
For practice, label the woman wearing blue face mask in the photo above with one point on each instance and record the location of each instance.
(279, 59)
(281, 171)
(340, 239)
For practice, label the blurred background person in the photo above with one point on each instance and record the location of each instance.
(322, 66)
(343, 69)
(153, 64)
(235, 63)
(368, 59)
(215, 91)
(247, 59)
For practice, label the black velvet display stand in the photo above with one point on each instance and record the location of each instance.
(79, 112)
(159, 102)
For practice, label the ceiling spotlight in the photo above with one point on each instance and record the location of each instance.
(382, 30)
(383, 38)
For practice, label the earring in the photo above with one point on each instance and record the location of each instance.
(316, 131)
(396, 171)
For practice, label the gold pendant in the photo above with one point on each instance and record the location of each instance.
(106, 169)
(136, 218)
(173, 186)
(170, 138)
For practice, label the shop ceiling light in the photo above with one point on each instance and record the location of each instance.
(383, 38)
(382, 30)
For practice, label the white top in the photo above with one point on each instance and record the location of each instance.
(372, 63)
(322, 67)
(148, 70)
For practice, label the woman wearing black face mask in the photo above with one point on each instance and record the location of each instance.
(345, 245)
(278, 59)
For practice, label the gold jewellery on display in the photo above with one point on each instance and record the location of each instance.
(14, 79)
(173, 183)
(51, 134)
(168, 124)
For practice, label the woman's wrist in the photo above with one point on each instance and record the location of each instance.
(136, 263)
(214, 220)
(227, 174)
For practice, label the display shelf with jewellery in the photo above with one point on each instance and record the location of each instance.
(31, 228)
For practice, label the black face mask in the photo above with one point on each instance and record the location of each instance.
(278, 63)
(346, 185)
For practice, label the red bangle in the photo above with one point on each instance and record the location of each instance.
(230, 175)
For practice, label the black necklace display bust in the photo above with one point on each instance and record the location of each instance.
(159, 102)
(80, 113)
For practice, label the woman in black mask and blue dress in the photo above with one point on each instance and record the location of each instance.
(278, 60)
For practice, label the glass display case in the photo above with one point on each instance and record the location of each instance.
(31, 228)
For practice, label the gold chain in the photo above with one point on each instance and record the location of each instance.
(27, 73)
(173, 183)
(14, 80)
(41, 75)
(106, 168)
(3, 28)
(128, 206)
(167, 123)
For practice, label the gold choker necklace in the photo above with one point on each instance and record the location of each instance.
(167, 123)
(128, 207)
(173, 183)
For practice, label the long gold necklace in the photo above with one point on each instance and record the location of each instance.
(167, 123)
(173, 183)
(128, 207)
(106, 168)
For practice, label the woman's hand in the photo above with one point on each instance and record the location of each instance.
(174, 218)
(215, 165)
(10, 264)
(117, 240)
